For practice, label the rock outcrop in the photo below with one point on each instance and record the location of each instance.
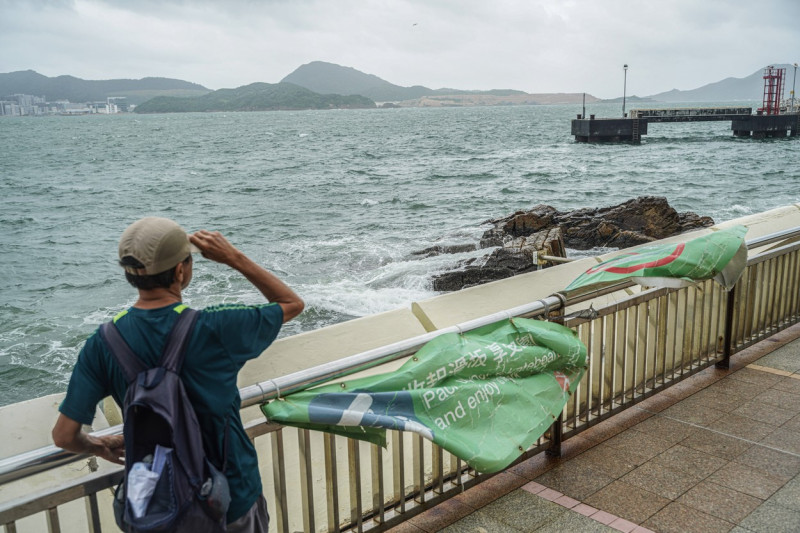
(525, 237)
(638, 221)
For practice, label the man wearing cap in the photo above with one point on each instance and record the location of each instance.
(156, 256)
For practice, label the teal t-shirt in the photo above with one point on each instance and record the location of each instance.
(224, 338)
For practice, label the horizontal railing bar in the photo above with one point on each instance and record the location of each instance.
(271, 389)
(49, 457)
(27, 505)
(773, 253)
(44, 458)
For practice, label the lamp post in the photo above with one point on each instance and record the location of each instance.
(793, 80)
(624, 87)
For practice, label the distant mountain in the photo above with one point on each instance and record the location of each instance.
(79, 90)
(727, 90)
(255, 97)
(329, 78)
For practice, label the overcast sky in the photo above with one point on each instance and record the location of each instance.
(531, 45)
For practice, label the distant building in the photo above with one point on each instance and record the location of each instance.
(17, 105)
(22, 104)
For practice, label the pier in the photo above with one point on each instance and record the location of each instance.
(775, 118)
(743, 123)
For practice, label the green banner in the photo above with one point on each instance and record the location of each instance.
(485, 395)
(721, 256)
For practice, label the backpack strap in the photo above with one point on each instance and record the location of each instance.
(175, 348)
(131, 365)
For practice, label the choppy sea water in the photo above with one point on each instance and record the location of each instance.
(334, 202)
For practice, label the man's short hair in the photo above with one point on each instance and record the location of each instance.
(155, 281)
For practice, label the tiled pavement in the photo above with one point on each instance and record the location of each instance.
(718, 452)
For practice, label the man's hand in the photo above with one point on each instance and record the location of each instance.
(111, 448)
(215, 247)
(67, 434)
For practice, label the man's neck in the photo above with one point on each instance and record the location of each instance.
(156, 298)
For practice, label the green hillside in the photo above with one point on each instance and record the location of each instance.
(329, 78)
(255, 97)
(79, 90)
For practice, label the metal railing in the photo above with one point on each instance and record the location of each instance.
(638, 345)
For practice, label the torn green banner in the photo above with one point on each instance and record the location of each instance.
(721, 255)
(485, 396)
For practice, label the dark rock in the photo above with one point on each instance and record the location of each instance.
(446, 249)
(638, 221)
(525, 236)
(516, 256)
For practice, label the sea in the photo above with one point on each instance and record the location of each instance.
(334, 202)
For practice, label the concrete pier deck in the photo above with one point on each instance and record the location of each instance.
(635, 125)
(718, 452)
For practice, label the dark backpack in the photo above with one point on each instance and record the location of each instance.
(190, 493)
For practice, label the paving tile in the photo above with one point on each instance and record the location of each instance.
(586, 510)
(746, 480)
(603, 517)
(665, 429)
(441, 515)
(784, 439)
(772, 518)
(478, 522)
(771, 414)
(681, 457)
(489, 490)
(679, 518)
(627, 501)
(573, 523)
(776, 463)
(780, 398)
(662, 400)
(718, 400)
(533, 487)
(574, 480)
(620, 524)
(609, 461)
(662, 480)
(742, 427)
(694, 412)
(574, 446)
(717, 444)
(550, 495)
(567, 502)
(764, 379)
(603, 431)
(523, 510)
(788, 384)
(719, 501)
(737, 387)
(788, 495)
(406, 527)
(535, 466)
(783, 358)
(793, 424)
(633, 441)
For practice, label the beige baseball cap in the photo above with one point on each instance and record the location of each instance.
(158, 243)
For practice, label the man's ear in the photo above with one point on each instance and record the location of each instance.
(180, 273)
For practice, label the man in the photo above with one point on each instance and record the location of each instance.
(156, 255)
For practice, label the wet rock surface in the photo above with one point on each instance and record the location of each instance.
(523, 238)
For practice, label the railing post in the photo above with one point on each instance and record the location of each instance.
(556, 436)
(727, 341)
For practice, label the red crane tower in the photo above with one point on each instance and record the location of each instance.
(774, 81)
